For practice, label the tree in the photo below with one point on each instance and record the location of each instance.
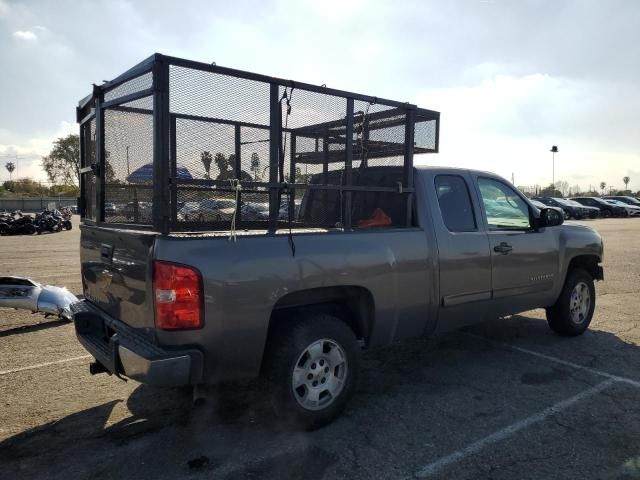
(62, 165)
(10, 166)
(225, 166)
(64, 191)
(626, 181)
(206, 158)
(603, 185)
(255, 165)
(25, 186)
(550, 191)
(562, 186)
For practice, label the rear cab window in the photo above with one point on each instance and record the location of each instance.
(455, 203)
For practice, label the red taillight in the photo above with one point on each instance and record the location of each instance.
(177, 296)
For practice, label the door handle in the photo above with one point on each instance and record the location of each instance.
(503, 248)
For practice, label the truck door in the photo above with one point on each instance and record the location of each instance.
(524, 259)
(463, 252)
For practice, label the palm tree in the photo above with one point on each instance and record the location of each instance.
(626, 181)
(10, 166)
(206, 158)
(603, 185)
(255, 165)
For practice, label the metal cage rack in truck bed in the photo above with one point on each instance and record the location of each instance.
(174, 145)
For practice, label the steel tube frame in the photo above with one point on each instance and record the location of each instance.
(165, 181)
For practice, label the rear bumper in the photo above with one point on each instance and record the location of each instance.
(123, 351)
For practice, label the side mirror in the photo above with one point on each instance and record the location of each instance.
(550, 217)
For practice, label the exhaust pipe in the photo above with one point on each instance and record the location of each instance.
(24, 293)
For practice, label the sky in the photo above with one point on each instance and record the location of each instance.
(511, 78)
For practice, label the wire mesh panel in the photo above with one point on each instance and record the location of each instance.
(425, 134)
(88, 159)
(128, 172)
(215, 96)
(254, 153)
(134, 85)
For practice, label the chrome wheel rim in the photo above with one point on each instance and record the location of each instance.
(580, 303)
(319, 374)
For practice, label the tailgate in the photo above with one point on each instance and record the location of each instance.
(116, 272)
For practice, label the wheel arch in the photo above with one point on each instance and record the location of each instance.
(588, 262)
(352, 304)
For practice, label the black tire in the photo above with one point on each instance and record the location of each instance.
(606, 213)
(559, 316)
(285, 354)
(67, 225)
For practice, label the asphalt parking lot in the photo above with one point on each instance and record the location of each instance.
(502, 400)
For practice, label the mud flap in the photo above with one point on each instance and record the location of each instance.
(115, 367)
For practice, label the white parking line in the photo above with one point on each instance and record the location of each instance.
(46, 364)
(506, 432)
(560, 361)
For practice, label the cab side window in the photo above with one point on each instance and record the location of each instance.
(504, 208)
(455, 203)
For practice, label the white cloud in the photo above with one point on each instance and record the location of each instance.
(26, 35)
(4, 8)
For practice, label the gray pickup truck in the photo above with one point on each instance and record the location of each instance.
(478, 250)
(338, 244)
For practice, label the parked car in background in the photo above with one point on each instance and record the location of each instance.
(630, 210)
(571, 211)
(143, 211)
(110, 208)
(591, 212)
(624, 199)
(606, 209)
(209, 210)
(541, 205)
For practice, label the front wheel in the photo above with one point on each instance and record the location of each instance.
(313, 368)
(573, 311)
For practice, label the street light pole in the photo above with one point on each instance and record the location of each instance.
(128, 172)
(554, 150)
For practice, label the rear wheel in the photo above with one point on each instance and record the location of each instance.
(573, 311)
(313, 369)
(606, 213)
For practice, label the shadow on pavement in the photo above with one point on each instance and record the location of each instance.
(33, 328)
(245, 408)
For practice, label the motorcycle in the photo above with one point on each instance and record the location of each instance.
(65, 220)
(16, 223)
(47, 222)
